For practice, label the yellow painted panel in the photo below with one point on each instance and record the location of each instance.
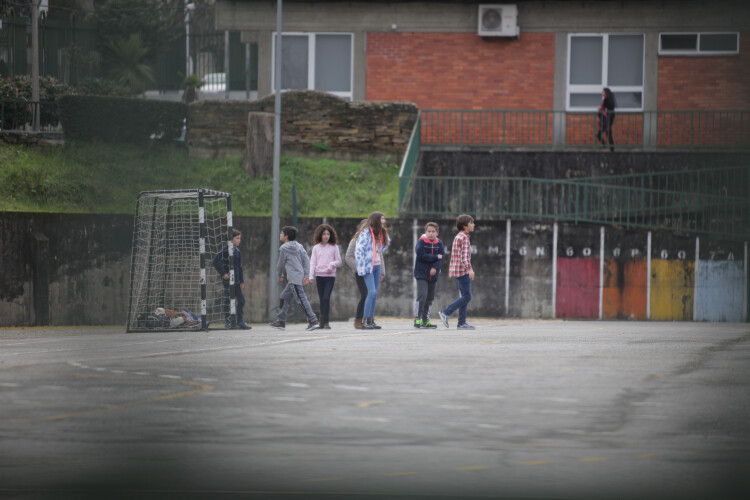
(672, 289)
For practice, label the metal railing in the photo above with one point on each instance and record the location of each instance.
(711, 201)
(646, 130)
(409, 163)
(21, 115)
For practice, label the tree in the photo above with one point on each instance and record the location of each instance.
(157, 22)
(129, 69)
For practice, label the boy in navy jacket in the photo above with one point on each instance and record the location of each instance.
(220, 262)
(429, 258)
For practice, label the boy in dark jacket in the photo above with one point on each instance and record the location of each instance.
(429, 253)
(221, 264)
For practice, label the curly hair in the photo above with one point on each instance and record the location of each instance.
(318, 236)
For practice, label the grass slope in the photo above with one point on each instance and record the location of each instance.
(105, 178)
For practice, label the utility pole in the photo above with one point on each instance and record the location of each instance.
(35, 61)
(273, 288)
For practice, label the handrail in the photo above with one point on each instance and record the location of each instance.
(546, 129)
(408, 164)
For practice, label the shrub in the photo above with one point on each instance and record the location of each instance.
(119, 119)
(18, 88)
(103, 87)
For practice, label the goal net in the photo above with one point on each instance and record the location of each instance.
(175, 236)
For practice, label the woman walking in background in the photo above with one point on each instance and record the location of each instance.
(323, 263)
(607, 117)
(372, 240)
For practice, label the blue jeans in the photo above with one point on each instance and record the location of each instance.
(325, 288)
(464, 288)
(372, 282)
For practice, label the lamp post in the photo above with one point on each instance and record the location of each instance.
(189, 7)
(273, 288)
(35, 61)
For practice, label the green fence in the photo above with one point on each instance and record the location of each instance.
(712, 201)
(557, 129)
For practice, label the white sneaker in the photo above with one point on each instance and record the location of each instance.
(444, 318)
(465, 326)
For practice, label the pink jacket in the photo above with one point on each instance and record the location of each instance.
(324, 261)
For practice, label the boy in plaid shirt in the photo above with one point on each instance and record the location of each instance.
(460, 268)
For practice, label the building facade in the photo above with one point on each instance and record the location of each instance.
(553, 55)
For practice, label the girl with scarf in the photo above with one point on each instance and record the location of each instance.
(372, 240)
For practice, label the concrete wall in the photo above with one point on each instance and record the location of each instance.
(521, 272)
(567, 164)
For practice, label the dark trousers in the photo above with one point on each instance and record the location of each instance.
(362, 295)
(464, 288)
(425, 296)
(239, 300)
(325, 288)
(605, 125)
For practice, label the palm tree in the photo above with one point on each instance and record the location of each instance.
(130, 71)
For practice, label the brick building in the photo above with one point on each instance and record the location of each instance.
(552, 55)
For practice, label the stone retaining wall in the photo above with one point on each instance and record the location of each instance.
(311, 121)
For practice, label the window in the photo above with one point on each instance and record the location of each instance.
(699, 44)
(318, 61)
(596, 61)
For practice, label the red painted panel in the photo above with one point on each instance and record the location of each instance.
(577, 288)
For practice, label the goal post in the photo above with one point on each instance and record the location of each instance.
(173, 286)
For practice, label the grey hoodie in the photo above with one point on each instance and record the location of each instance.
(293, 258)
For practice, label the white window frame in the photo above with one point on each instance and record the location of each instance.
(311, 38)
(597, 89)
(697, 51)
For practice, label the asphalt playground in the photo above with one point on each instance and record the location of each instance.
(515, 409)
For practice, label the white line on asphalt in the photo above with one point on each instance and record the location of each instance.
(561, 400)
(367, 419)
(487, 396)
(351, 388)
(296, 384)
(455, 407)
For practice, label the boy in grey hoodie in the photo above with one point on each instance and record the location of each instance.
(293, 258)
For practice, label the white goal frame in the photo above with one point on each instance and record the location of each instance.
(175, 236)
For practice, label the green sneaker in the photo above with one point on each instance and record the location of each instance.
(428, 324)
(417, 323)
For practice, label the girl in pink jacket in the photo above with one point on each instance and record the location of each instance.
(323, 263)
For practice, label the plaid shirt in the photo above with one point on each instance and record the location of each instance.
(460, 256)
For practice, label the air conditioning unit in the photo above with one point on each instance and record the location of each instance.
(498, 20)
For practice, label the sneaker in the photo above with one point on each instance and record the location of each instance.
(242, 326)
(314, 325)
(228, 325)
(417, 323)
(279, 325)
(465, 326)
(444, 318)
(428, 324)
